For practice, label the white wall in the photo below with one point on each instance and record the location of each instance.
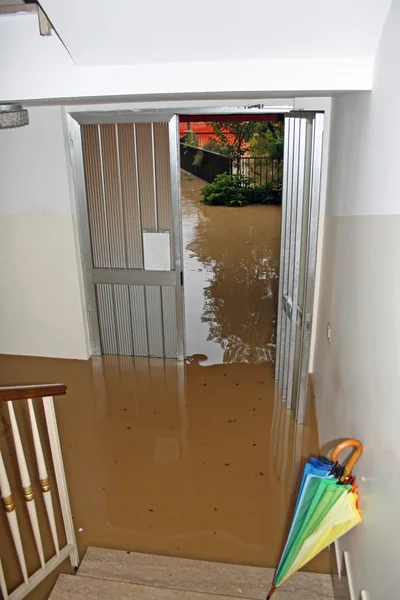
(41, 310)
(357, 375)
(35, 67)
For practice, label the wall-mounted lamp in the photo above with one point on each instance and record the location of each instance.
(13, 115)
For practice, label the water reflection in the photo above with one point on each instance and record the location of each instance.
(231, 278)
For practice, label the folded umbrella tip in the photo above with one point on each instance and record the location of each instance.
(271, 591)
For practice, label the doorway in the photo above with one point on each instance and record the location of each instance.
(231, 218)
(130, 216)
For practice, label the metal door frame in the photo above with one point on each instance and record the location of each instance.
(82, 116)
(311, 263)
(289, 317)
(90, 278)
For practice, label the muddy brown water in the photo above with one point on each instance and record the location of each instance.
(231, 278)
(196, 460)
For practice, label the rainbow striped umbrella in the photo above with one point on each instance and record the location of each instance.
(326, 508)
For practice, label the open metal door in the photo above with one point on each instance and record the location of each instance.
(134, 226)
(300, 208)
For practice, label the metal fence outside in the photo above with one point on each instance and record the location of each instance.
(262, 169)
(207, 165)
(204, 164)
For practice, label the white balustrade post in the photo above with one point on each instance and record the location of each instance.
(9, 507)
(43, 476)
(26, 484)
(3, 585)
(58, 463)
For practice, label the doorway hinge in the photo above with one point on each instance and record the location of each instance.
(72, 137)
(89, 310)
(181, 278)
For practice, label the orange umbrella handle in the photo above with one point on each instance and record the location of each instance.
(351, 443)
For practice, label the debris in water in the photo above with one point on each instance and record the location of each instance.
(151, 509)
(227, 464)
(261, 473)
(129, 427)
(80, 529)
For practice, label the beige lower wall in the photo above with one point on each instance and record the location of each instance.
(41, 313)
(357, 379)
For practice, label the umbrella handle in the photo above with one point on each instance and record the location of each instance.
(351, 443)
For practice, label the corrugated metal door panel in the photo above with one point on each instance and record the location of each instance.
(95, 195)
(123, 319)
(130, 195)
(104, 293)
(138, 319)
(154, 321)
(116, 233)
(147, 192)
(169, 321)
(163, 180)
(163, 175)
(129, 190)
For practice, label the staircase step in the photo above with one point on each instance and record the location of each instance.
(69, 587)
(199, 576)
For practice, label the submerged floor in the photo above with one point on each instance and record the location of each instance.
(187, 461)
(231, 278)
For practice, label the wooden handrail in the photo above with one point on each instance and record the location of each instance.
(23, 392)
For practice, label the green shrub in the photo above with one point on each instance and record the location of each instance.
(190, 139)
(227, 190)
(267, 193)
(237, 190)
(198, 158)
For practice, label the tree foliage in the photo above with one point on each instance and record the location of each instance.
(267, 139)
(234, 138)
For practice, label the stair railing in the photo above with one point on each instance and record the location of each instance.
(34, 478)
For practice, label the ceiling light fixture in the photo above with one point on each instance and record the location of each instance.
(13, 115)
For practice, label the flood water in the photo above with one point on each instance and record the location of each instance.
(231, 278)
(191, 461)
(196, 460)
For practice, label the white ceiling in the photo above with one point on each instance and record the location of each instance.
(122, 32)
